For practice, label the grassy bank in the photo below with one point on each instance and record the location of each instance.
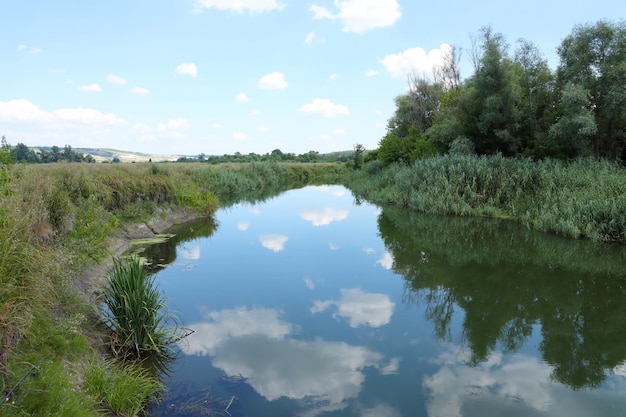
(581, 199)
(54, 222)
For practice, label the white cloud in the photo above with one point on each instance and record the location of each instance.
(369, 251)
(242, 98)
(218, 126)
(309, 38)
(35, 50)
(323, 217)
(243, 226)
(262, 129)
(309, 283)
(170, 129)
(414, 60)
(323, 136)
(91, 88)
(255, 112)
(114, 79)
(324, 107)
(333, 77)
(359, 16)
(188, 68)
(360, 308)
(140, 91)
(240, 136)
(371, 73)
(87, 116)
(174, 124)
(275, 243)
(339, 132)
(386, 261)
(273, 81)
(239, 6)
(22, 110)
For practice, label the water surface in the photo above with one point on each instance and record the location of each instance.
(314, 304)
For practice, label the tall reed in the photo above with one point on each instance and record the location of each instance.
(136, 311)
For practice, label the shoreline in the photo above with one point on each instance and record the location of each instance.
(90, 282)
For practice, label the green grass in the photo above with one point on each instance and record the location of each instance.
(124, 389)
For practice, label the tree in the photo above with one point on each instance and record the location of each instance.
(359, 151)
(535, 84)
(593, 57)
(495, 99)
(573, 129)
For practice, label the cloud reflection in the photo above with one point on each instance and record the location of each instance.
(275, 243)
(243, 226)
(386, 261)
(190, 253)
(519, 384)
(323, 217)
(359, 308)
(253, 343)
(220, 326)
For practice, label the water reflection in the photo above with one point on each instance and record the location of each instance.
(519, 318)
(501, 385)
(359, 308)
(506, 282)
(275, 243)
(256, 344)
(162, 254)
(324, 216)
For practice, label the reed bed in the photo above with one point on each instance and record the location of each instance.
(581, 199)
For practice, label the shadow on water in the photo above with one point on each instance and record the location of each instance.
(507, 280)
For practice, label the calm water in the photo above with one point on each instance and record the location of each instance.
(313, 304)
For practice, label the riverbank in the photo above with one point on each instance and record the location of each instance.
(581, 199)
(61, 226)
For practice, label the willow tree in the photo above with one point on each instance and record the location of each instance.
(593, 58)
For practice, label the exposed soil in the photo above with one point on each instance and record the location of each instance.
(90, 283)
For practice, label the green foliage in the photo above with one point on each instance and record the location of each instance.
(125, 390)
(135, 310)
(359, 150)
(580, 199)
(592, 58)
(462, 146)
(572, 131)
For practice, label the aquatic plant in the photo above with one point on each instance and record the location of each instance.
(136, 311)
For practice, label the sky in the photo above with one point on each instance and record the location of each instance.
(184, 77)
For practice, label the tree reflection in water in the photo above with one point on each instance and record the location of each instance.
(507, 280)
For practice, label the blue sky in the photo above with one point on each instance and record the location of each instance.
(221, 76)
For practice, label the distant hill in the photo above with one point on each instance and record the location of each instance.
(104, 154)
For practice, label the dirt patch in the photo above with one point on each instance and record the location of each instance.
(90, 283)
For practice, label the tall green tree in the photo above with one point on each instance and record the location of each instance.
(593, 57)
(535, 86)
(494, 97)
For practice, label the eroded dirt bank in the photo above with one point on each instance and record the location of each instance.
(91, 281)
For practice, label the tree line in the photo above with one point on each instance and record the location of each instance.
(21, 153)
(514, 104)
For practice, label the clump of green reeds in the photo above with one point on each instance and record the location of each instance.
(136, 312)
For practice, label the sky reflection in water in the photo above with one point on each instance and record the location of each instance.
(324, 307)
